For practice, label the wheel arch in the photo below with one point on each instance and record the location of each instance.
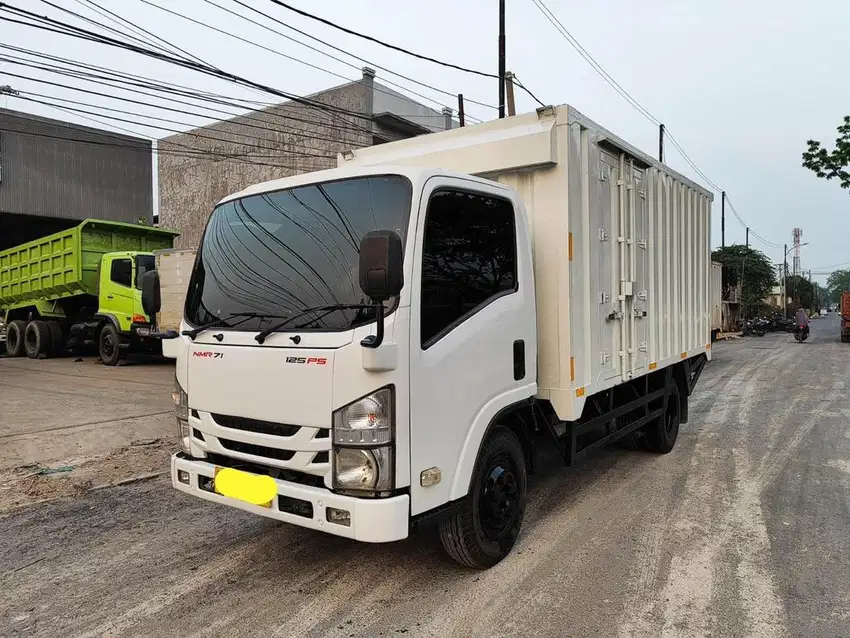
(514, 415)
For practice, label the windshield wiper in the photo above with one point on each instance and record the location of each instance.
(194, 332)
(261, 336)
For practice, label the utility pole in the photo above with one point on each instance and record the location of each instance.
(460, 114)
(501, 58)
(661, 143)
(785, 282)
(509, 85)
(723, 219)
(748, 236)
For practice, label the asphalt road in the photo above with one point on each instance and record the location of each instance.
(744, 530)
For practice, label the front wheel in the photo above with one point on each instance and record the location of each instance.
(798, 336)
(108, 345)
(483, 531)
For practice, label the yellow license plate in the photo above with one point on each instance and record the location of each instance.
(244, 486)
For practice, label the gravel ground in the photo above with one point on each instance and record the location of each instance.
(743, 530)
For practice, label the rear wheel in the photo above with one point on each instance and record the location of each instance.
(15, 338)
(662, 434)
(37, 339)
(483, 531)
(108, 345)
(57, 340)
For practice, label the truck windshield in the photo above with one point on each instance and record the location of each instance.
(144, 263)
(282, 252)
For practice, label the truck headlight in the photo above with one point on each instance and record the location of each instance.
(363, 434)
(181, 411)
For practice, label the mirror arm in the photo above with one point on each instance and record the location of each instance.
(375, 340)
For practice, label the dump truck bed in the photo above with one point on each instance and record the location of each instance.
(65, 264)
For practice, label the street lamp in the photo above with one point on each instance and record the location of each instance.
(785, 277)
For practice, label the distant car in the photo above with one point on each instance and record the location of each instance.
(824, 312)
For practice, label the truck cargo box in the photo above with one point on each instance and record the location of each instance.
(716, 297)
(175, 268)
(621, 244)
(66, 263)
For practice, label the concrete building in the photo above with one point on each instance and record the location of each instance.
(54, 174)
(196, 169)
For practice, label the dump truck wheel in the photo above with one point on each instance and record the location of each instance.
(36, 339)
(485, 527)
(662, 434)
(57, 340)
(15, 338)
(109, 345)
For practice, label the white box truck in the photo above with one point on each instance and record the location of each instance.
(387, 343)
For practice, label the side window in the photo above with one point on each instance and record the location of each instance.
(468, 258)
(122, 272)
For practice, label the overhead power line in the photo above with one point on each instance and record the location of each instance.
(193, 134)
(336, 48)
(381, 42)
(62, 28)
(151, 87)
(600, 70)
(296, 59)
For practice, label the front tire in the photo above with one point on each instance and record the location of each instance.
(109, 345)
(15, 338)
(661, 435)
(483, 531)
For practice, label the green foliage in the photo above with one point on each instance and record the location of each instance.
(832, 164)
(838, 282)
(802, 292)
(758, 273)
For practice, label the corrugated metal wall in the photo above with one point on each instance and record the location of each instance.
(58, 170)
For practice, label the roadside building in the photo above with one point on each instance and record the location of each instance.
(196, 169)
(54, 174)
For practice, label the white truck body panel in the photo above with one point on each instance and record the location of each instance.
(716, 296)
(175, 269)
(621, 244)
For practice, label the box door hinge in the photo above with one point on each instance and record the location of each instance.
(605, 357)
(603, 236)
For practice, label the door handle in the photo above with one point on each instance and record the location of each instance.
(519, 359)
(109, 296)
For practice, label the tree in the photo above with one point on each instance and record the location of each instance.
(753, 266)
(801, 291)
(838, 282)
(832, 164)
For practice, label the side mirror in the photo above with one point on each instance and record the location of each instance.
(151, 297)
(381, 259)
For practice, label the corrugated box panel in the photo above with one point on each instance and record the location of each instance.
(175, 269)
(716, 296)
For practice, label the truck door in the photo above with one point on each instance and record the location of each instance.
(472, 333)
(116, 295)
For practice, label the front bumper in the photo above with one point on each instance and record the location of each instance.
(372, 520)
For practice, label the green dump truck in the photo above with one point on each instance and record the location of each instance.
(80, 288)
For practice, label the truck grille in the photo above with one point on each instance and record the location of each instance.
(257, 450)
(255, 425)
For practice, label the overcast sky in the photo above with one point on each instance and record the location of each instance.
(741, 84)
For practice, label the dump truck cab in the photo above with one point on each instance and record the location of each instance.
(119, 290)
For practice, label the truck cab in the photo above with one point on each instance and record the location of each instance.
(332, 403)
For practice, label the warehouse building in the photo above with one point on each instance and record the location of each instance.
(196, 169)
(55, 174)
